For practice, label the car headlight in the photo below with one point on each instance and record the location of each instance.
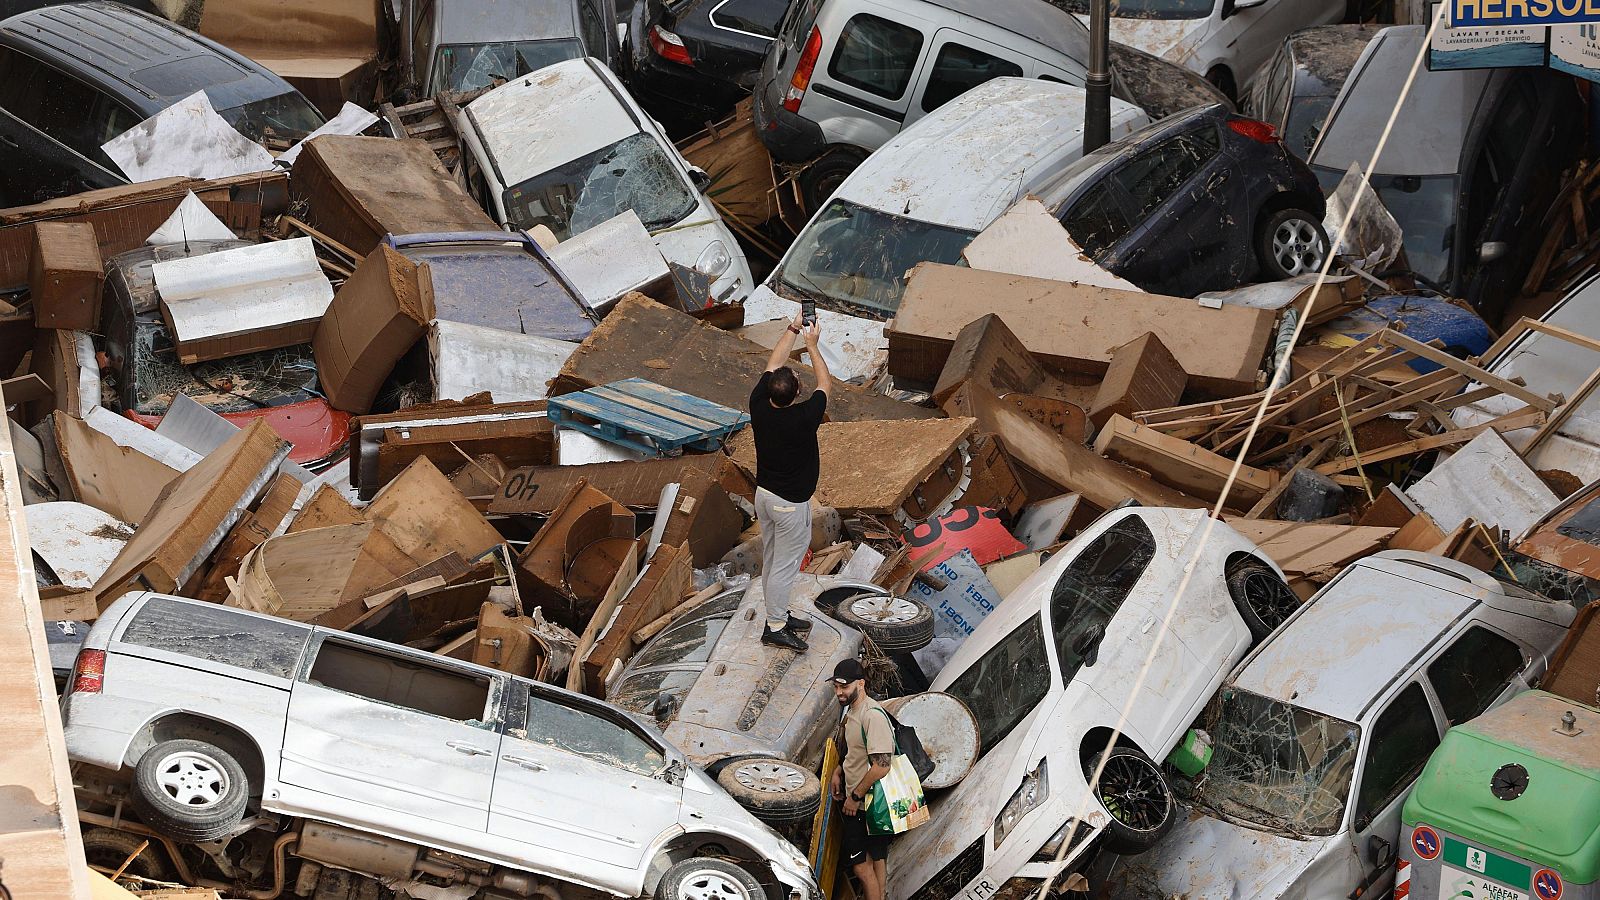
(1028, 797)
(714, 260)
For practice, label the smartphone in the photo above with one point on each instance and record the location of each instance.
(808, 313)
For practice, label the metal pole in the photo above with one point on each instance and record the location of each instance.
(1097, 99)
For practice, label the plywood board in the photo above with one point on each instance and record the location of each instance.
(667, 578)
(872, 466)
(427, 517)
(121, 480)
(1309, 549)
(1487, 481)
(987, 353)
(636, 485)
(1027, 240)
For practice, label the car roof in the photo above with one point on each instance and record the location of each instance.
(1093, 166)
(494, 21)
(538, 121)
(1336, 656)
(1432, 126)
(1032, 19)
(1324, 56)
(966, 162)
(146, 61)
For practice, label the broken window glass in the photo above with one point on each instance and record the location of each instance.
(859, 256)
(231, 385)
(1584, 525)
(468, 67)
(584, 734)
(287, 116)
(1552, 581)
(1403, 738)
(1006, 684)
(634, 173)
(1279, 767)
(1472, 672)
(638, 693)
(687, 642)
(1092, 588)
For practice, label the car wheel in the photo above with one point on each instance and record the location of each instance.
(1222, 79)
(704, 878)
(1262, 598)
(1291, 242)
(107, 849)
(1135, 792)
(823, 177)
(895, 624)
(190, 790)
(773, 790)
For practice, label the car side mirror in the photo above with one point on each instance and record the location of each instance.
(1380, 852)
(1492, 251)
(700, 178)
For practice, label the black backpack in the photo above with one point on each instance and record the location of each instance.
(907, 742)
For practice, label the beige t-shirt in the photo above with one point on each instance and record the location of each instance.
(879, 739)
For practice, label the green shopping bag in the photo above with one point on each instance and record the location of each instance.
(896, 804)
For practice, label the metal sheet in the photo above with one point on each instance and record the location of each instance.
(469, 359)
(351, 119)
(189, 423)
(241, 292)
(188, 139)
(76, 540)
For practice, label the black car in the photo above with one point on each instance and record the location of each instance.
(695, 59)
(1295, 89)
(1203, 200)
(73, 77)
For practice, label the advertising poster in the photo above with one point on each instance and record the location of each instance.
(1485, 48)
(1575, 49)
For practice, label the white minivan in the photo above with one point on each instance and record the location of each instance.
(566, 147)
(922, 197)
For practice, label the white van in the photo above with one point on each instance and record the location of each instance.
(566, 147)
(922, 197)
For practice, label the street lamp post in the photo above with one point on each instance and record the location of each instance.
(1097, 93)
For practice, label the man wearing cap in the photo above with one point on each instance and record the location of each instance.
(868, 750)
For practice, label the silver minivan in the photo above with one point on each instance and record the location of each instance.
(424, 772)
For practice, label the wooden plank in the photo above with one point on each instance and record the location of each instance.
(1311, 549)
(634, 484)
(1434, 355)
(1190, 468)
(1351, 419)
(667, 578)
(1525, 418)
(1312, 456)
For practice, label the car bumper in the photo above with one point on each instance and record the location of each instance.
(788, 136)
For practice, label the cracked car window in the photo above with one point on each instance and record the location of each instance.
(1474, 670)
(583, 734)
(1093, 587)
(1278, 766)
(633, 173)
(1006, 684)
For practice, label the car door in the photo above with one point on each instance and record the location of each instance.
(1395, 747)
(1177, 195)
(958, 63)
(1479, 669)
(862, 91)
(580, 785)
(397, 730)
(1249, 33)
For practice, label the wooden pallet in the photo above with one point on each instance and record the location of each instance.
(647, 417)
(432, 120)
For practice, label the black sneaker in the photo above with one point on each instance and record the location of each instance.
(784, 638)
(796, 625)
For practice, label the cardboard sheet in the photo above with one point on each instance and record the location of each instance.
(189, 139)
(379, 313)
(1027, 240)
(243, 300)
(470, 359)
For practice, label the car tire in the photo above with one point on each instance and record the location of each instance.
(1261, 597)
(190, 790)
(1137, 797)
(895, 624)
(820, 179)
(108, 849)
(705, 878)
(773, 790)
(1290, 242)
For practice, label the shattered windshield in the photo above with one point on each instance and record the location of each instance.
(1006, 684)
(1278, 766)
(232, 385)
(468, 67)
(1145, 9)
(638, 694)
(859, 256)
(288, 117)
(1424, 206)
(634, 173)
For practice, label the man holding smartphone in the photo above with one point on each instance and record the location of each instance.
(788, 464)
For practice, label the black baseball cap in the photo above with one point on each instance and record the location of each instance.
(848, 670)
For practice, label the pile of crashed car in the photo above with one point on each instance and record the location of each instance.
(377, 390)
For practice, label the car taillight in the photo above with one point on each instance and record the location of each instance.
(89, 672)
(802, 72)
(669, 46)
(1255, 130)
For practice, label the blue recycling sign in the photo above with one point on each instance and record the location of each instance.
(1484, 13)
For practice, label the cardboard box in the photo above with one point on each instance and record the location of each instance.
(373, 320)
(1143, 375)
(357, 189)
(987, 353)
(66, 276)
(518, 434)
(1074, 327)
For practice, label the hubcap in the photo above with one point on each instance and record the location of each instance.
(1133, 792)
(769, 778)
(883, 610)
(1297, 247)
(1269, 599)
(709, 884)
(192, 779)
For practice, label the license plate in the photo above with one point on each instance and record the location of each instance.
(1456, 884)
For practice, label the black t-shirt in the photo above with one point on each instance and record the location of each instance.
(787, 462)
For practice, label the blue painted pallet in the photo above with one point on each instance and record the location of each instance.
(647, 417)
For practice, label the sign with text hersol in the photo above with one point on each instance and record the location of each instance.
(1470, 872)
(1480, 13)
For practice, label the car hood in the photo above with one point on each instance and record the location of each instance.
(1207, 857)
(1170, 39)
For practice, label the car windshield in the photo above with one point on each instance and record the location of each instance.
(1147, 9)
(232, 385)
(1006, 684)
(288, 117)
(634, 173)
(1425, 208)
(468, 67)
(637, 694)
(1277, 766)
(859, 256)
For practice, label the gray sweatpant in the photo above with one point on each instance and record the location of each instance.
(785, 538)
